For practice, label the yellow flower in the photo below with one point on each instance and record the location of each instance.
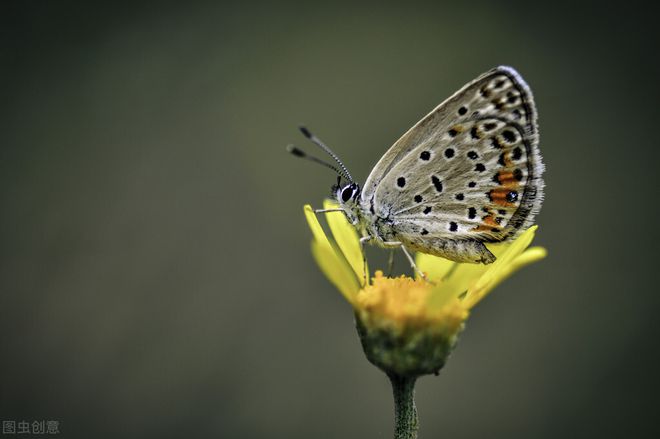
(409, 326)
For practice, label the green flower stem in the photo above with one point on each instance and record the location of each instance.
(406, 423)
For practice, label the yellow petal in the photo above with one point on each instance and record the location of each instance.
(463, 275)
(332, 264)
(433, 266)
(501, 268)
(455, 283)
(346, 238)
(528, 257)
(453, 278)
(531, 255)
(336, 270)
(499, 248)
(314, 225)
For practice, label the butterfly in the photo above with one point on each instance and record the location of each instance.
(468, 173)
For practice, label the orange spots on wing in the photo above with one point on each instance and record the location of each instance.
(489, 224)
(499, 196)
(505, 160)
(507, 179)
(490, 220)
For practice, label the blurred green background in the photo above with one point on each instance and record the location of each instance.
(155, 276)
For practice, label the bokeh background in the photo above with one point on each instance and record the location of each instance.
(155, 276)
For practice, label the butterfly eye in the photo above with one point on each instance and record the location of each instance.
(347, 193)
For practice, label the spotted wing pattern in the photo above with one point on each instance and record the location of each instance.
(470, 170)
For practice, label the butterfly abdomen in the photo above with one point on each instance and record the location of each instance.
(463, 250)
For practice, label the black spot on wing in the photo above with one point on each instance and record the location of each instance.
(436, 183)
(509, 136)
(517, 153)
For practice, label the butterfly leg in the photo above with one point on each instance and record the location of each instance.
(412, 263)
(408, 256)
(327, 210)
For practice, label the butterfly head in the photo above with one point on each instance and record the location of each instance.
(348, 193)
(348, 198)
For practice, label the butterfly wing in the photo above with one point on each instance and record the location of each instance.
(470, 171)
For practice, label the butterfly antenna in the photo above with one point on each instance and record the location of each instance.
(302, 154)
(317, 142)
